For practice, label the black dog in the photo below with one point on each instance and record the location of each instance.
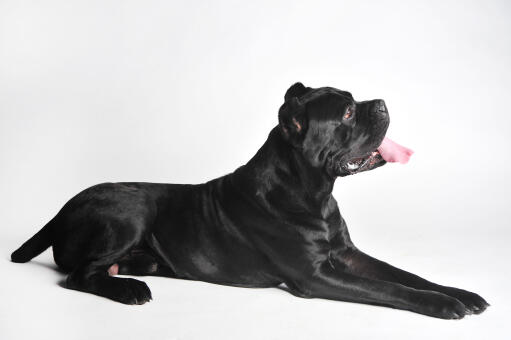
(270, 222)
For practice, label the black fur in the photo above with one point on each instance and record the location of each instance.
(271, 221)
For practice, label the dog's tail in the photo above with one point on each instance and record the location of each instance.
(36, 244)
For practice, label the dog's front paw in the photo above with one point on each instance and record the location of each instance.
(475, 303)
(441, 306)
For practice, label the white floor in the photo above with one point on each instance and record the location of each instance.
(34, 306)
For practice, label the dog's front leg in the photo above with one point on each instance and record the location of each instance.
(361, 264)
(330, 283)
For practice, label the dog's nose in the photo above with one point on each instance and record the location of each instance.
(379, 106)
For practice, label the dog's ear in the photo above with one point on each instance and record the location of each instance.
(296, 90)
(292, 119)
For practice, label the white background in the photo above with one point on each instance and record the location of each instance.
(167, 91)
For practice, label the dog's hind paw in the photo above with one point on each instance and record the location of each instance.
(127, 291)
(136, 293)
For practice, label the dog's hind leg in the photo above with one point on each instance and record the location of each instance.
(89, 252)
(94, 278)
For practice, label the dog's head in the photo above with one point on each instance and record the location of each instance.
(332, 130)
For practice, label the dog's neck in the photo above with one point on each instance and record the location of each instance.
(279, 170)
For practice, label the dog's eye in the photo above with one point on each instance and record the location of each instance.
(348, 113)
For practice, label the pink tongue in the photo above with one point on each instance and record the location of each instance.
(393, 152)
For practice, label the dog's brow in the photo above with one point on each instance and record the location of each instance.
(326, 90)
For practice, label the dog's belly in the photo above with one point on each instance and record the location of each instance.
(194, 235)
(212, 261)
(240, 269)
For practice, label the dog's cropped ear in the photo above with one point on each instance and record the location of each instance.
(292, 119)
(296, 90)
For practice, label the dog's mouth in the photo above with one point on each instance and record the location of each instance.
(356, 165)
(388, 151)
